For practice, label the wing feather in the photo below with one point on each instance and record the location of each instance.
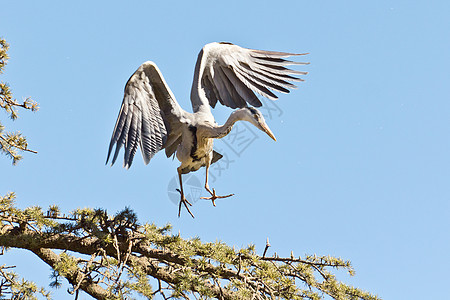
(147, 116)
(233, 97)
(281, 71)
(255, 86)
(211, 91)
(132, 138)
(232, 75)
(263, 80)
(271, 77)
(146, 133)
(243, 90)
(225, 96)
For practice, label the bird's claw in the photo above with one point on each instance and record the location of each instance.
(214, 196)
(184, 201)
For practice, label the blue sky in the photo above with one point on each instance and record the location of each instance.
(361, 167)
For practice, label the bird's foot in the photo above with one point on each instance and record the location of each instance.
(185, 202)
(214, 196)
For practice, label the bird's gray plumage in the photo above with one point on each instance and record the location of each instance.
(231, 75)
(150, 118)
(149, 111)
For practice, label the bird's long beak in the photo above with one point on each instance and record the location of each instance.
(267, 130)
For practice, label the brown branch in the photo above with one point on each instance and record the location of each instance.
(164, 265)
(14, 103)
(84, 274)
(298, 260)
(37, 242)
(16, 146)
(13, 155)
(75, 277)
(152, 268)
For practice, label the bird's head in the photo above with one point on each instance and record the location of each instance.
(255, 117)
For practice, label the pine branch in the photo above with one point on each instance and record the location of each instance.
(10, 143)
(16, 288)
(17, 145)
(183, 268)
(75, 276)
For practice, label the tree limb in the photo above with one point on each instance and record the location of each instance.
(75, 277)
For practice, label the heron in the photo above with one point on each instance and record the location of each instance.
(150, 117)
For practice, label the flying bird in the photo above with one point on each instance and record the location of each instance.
(150, 117)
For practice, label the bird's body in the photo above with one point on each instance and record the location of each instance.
(196, 148)
(151, 118)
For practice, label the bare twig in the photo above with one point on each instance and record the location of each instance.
(267, 247)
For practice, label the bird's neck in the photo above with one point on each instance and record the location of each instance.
(223, 130)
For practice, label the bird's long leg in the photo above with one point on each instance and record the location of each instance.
(213, 192)
(183, 199)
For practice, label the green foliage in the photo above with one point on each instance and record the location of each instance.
(119, 259)
(13, 287)
(3, 54)
(12, 142)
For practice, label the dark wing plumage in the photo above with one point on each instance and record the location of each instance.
(149, 116)
(231, 75)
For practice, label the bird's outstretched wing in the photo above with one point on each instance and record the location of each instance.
(149, 116)
(231, 74)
